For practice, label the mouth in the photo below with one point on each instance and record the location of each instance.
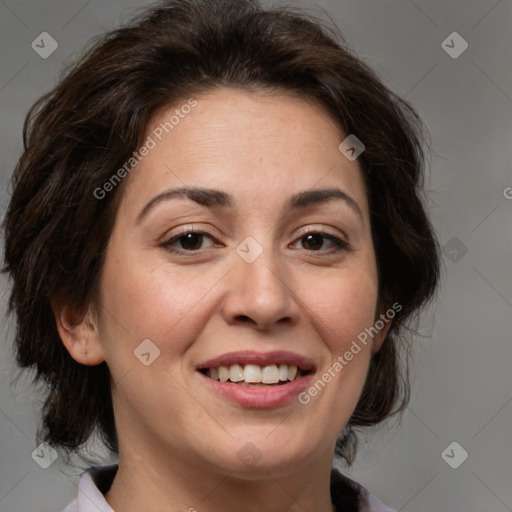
(253, 369)
(252, 375)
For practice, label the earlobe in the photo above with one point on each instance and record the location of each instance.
(79, 333)
(384, 325)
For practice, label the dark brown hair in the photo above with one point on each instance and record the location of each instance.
(56, 230)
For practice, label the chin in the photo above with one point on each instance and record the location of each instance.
(257, 456)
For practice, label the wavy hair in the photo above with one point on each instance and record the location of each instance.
(56, 230)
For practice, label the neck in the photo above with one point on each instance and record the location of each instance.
(167, 483)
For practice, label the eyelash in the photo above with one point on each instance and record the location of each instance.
(339, 244)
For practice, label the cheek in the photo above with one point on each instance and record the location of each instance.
(340, 313)
(170, 309)
(343, 306)
(152, 302)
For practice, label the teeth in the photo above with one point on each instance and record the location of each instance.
(254, 374)
(270, 374)
(223, 374)
(283, 372)
(236, 373)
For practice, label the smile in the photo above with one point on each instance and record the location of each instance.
(252, 374)
(257, 380)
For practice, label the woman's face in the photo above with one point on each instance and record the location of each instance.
(242, 238)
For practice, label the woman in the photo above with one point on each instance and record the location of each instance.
(215, 239)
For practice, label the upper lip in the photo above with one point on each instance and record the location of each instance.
(259, 358)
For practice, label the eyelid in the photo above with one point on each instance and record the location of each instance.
(340, 241)
(186, 228)
(322, 229)
(172, 237)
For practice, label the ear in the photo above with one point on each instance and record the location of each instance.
(378, 339)
(79, 333)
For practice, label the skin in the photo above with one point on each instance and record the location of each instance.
(178, 439)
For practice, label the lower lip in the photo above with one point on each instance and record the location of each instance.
(260, 397)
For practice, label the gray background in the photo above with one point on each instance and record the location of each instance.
(462, 388)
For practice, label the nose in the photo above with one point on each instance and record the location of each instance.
(260, 294)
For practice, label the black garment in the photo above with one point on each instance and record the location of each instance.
(345, 493)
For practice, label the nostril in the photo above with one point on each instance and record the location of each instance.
(243, 318)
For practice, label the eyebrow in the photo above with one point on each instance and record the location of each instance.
(317, 196)
(203, 196)
(216, 198)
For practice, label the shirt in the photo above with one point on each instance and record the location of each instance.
(96, 481)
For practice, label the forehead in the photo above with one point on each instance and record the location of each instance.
(255, 146)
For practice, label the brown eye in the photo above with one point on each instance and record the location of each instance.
(312, 241)
(320, 242)
(189, 242)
